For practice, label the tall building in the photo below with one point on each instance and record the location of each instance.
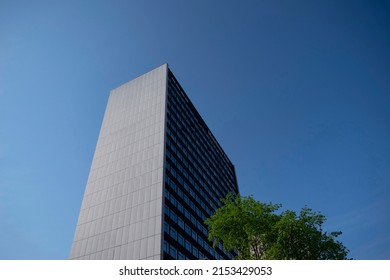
(157, 174)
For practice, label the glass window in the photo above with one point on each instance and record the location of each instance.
(187, 229)
(173, 252)
(173, 200)
(180, 239)
(200, 240)
(180, 256)
(166, 227)
(180, 180)
(173, 186)
(173, 216)
(180, 207)
(186, 200)
(186, 214)
(194, 235)
(166, 193)
(173, 233)
(193, 220)
(204, 231)
(166, 246)
(180, 222)
(188, 246)
(195, 252)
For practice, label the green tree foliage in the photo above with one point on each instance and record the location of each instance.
(256, 231)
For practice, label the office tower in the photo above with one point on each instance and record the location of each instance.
(157, 174)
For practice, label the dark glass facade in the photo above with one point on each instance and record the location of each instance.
(197, 174)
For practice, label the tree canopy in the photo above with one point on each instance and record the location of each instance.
(256, 231)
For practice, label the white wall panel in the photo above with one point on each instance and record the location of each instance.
(120, 216)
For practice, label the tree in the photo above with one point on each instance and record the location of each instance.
(255, 231)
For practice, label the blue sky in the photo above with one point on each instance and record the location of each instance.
(296, 92)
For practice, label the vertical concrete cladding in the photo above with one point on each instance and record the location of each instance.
(121, 212)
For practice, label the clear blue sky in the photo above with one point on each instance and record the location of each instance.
(296, 92)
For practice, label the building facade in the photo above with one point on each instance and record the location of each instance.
(157, 174)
